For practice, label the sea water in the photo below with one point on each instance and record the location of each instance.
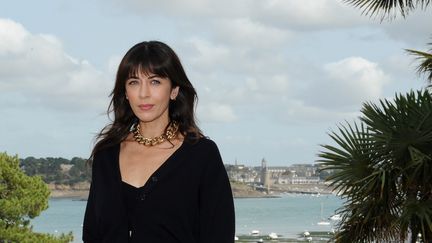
(289, 215)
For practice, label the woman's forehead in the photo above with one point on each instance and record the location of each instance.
(141, 71)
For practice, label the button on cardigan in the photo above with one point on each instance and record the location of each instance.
(188, 199)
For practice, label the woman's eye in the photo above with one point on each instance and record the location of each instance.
(155, 81)
(132, 82)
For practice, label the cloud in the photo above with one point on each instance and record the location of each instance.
(301, 15)
(187, 8)
(206, 54)
(347, 83)
(278, 15)
(216, 113)
(278, 89)
(365, 75)
(414, 29)
(298, 112)
(24, 54)
(276, 84)
(245, 31)
(208, 58)
(13, 37)
(37, 67)
(249, 55)
(307, 15)
(113, 64)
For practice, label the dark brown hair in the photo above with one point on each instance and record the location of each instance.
(157, 58)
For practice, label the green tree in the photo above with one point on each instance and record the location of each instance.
(48, 168)
(389, 9)
(383, 170)
(22, 198)
(80, 170)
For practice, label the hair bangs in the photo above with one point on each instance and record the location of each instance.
(147, 64)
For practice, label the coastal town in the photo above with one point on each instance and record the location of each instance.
(71, 178)
(267, 181)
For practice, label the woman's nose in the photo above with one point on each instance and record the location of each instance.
(144, 90)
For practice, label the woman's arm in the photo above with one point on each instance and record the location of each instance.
(90, 223)
(217, 217)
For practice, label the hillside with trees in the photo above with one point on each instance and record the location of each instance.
(59, 171)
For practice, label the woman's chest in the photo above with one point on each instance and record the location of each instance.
(136, 166)
(171, 189)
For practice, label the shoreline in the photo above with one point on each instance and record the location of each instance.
(82, 195)
(239, 190)
(72, 194)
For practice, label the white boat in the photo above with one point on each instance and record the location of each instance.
(236, 238)
(273, 235)
(323, 222)
(255, 232)
(336, 217)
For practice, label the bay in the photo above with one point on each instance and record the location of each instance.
(289, 215)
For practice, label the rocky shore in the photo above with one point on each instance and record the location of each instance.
(78, 190)
(240, 190)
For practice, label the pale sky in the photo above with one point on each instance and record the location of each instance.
(273, 76)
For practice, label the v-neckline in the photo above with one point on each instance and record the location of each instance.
(156, 173)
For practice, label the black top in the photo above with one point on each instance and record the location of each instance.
(188, 199)
(131, 197)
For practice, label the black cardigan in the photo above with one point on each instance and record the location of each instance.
(187, 200)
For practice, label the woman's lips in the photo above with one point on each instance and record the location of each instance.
(145, 107)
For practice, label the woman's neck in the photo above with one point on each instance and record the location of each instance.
(152, 129)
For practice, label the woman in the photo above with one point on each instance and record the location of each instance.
(155, 177)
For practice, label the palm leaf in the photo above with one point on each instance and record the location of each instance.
(383, 169)
(388, 8)
(425, 59)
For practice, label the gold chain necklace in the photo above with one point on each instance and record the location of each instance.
(170, 133)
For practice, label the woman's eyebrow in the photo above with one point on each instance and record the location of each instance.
(149, 77)
(153, 76)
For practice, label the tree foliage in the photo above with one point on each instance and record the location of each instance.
(22, 198)
(388, 8)
(384, 171)
(50, 169)
(425, 62)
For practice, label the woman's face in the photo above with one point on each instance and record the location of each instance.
(149, 96)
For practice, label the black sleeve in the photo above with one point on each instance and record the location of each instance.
(90, 226)
(217, 218)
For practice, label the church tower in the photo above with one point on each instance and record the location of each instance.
(264, 173)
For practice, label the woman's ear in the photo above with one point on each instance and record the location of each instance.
(174, 93)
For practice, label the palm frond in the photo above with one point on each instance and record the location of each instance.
(388, 8)
(425, 62)
(383, 169)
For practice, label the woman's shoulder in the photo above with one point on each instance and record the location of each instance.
(203, 151)
(201, 143)
(106, 152)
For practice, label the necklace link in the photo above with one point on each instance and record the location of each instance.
(170, 133)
